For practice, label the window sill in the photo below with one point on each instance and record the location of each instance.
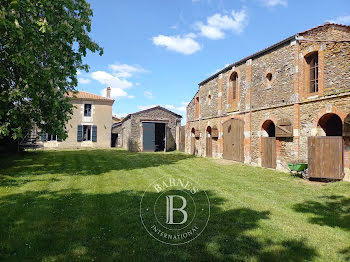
(312, 95)
(86, 143)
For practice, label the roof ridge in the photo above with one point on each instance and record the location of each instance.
(87, 95)
(266, 50)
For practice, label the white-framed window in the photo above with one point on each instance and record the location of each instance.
(86, 132)
(87, 110)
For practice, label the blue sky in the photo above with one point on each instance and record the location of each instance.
(157, 51)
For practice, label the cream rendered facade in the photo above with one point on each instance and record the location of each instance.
(100, 119)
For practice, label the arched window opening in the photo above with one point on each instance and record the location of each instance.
(197, 107)
(269, 128)
(209, 99)
(234, 85)
(208, 131)
(193, 131)
(331, 125)
(269, 77)
(312, 62)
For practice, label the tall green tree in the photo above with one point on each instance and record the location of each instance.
(42, 43)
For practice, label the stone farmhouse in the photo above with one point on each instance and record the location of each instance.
(90, 125)
(288, 102)
(149, 130)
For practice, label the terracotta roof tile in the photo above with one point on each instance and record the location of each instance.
(86, 95)
(326, 24)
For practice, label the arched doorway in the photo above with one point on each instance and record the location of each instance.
(268, 144)
(209, 142)
(233, 138)
(330, 125)
(326, 150)
(193, 141)
(269, 129)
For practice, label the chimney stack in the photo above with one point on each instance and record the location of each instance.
(108, 92)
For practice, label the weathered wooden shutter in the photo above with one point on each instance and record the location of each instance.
(44, 137)
(284, 128)
(214, 132)
(80, 133)
(94, 133)
(197, 133)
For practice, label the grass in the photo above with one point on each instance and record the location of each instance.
(84, 206)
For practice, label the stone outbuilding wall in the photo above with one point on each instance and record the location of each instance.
(273, 85)
(131, 128)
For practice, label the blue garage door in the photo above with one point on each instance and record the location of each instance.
(149, 137)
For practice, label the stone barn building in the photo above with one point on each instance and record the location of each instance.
(149, 130)
(263, 109)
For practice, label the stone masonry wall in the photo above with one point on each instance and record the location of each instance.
(285, 96)
(280, 63)
(135, 132)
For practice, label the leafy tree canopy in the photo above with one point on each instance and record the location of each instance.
(42, 43)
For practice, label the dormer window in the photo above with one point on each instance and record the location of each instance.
(312, 71)
(87, 110)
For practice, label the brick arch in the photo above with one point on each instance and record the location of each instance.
(208, 129)
(233, 103)
(324, 111)
(304, 69)
(271, 118)
(274, 120)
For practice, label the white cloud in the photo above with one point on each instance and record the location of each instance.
(125, 71)
(116, 92)
(178, 109)
(217, 24)
(110, 80)
(148, 94)
(271, 3)
(131, 97)
(185, 45)
(170, 107)
(341, 20)
(78, 72)
(83, 81)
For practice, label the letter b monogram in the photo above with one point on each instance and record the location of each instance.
(170, 210)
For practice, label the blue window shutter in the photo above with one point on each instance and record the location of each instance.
(43, 137)
(94, 133)
(80, 133)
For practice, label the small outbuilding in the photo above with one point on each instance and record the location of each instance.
(149, 130)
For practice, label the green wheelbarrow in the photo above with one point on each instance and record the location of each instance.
(299, 169)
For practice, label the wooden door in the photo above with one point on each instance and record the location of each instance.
(209, 146)
(268, 152)
(149, 137)
(233, 137)
(326, 157)
(193, 145)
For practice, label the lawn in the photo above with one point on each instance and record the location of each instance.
(84, 206)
